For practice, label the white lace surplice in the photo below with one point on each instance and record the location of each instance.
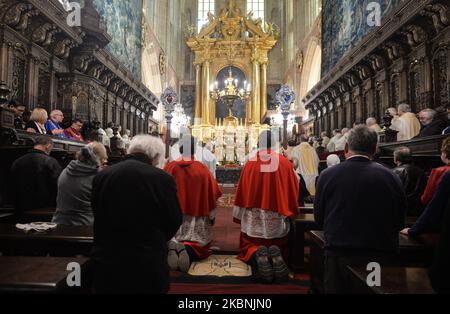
(259, 223)
(196, 229)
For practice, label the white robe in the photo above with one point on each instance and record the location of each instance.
(206, 157)
(262, 224)
(331, 147)
(408, 126)
(308, 165)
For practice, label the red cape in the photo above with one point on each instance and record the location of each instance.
(275, 191)
(198, 191)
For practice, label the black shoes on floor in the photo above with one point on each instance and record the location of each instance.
(275, 272)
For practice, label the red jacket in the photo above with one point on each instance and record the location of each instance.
(73, 134)
(433, 183)
(270, 183)
(198, 191)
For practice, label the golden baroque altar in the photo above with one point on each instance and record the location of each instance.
(238, 40)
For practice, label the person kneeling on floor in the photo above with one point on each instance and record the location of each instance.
(266, 198)
(198, 193)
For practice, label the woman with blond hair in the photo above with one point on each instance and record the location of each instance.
(37, 121)
(73, 204)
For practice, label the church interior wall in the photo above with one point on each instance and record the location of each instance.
(123, 20)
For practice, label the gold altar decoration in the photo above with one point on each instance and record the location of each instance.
(229, 95)
(231, 39)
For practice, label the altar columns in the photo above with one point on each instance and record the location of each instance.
(263, 89)
(248, 44)
(198, 93)
(256, 92)
(205, 89)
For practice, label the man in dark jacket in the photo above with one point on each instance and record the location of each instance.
(431, 218)
(433, 122)
(35, 176)
(413, 179)
(19, 110)
(361, 206)
(136, 212)
(440, 271)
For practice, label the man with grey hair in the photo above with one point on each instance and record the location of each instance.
(413, 180)
(52, 125)
(407, 125)
(131, 232)
(432, 123)
(360, 204)
(373, 124)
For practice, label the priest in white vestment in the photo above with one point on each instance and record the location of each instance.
(308, 165)
(407, 124)
(206, 157)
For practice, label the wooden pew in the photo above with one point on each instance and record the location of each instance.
(305, 222)
(302, 223)
(61, 241)
(317, 260)
(394, 280)
(41, 275)
(306, 210)
(412, 252)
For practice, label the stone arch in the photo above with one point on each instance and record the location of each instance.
(311, 71)
(311, 67)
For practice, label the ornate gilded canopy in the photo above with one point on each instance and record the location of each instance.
(232, 39)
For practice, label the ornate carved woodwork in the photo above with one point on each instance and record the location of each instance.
(46, 62)
(404, 60)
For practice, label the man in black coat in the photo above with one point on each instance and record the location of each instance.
(413, 179)
(440, 271)
(361, 206)
(34, 178)
(136, 212)
(431, 219)
(433, 122)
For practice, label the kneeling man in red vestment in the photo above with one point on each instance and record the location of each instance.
(198, 193)
(266, 198)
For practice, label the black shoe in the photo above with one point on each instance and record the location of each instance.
(280, 269)
(265, 270)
